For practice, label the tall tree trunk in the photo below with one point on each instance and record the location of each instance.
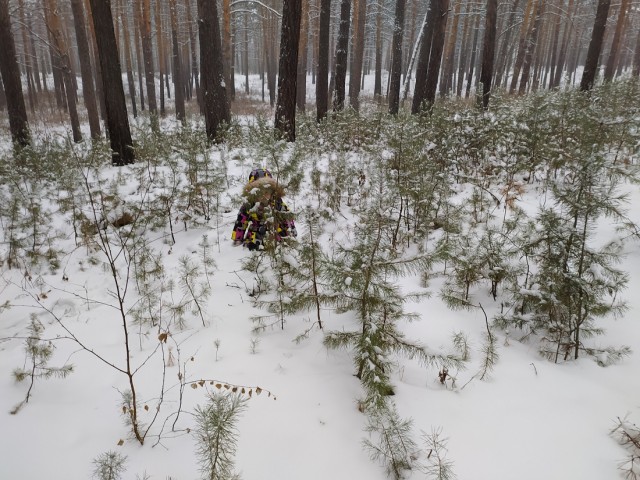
(423, 57)
(285, 120)
(532, 43)
(10, 72)
(595, 46)
(322, 80)
(31, 90)
(139, 60)
(161, 57)
(301, 94)
(177, 64)
(124, 14)
(614, 53)
(396, 59)
(428, 69)
(97, 71)
(214, 94)
(86, 69)
(245, 54)
(116, 108)
(522, 44)
(52, 15)
(355, 75)
(474, 54)
(564, 46)
(147, 53)
(488, 51)
(195, 76)
(227, 42)
(377, 86)
(506, 45)
(342, 47)
(450, 50)
(636, 57)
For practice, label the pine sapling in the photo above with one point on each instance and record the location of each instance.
(216, 434)
(38, 353)
(109, 466)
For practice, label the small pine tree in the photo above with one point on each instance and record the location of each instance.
(575, 282)
(216, 435)
(39, 353)
(391, 444)
(109, 466)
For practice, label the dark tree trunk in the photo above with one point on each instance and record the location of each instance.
(285, 120)
(116, 108)
(177, 64)
(301, 94)
(488, 51)
(11, 80)
(377, 88)
(595, 46)
(88, 90)
(214, 95)
(147, 53)
(430, 57)
(322, 78)
(506, 45)
(614, 53)
(357, 58)
(396, 59)
(522, 45)
(423, 57)
(532, 43)
(474, 54)
(342, 47)
(195, 75)
(139, 59)
(127, 55)
(636, 58)
(562, 56)
(52, 15)
(227, 47)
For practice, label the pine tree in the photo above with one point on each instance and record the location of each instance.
(216, 434)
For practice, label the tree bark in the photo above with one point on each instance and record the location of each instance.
(10, 72)
(636, 58)
(147, 53)
(355, 74)
(116, 108)
(377, 86)
(127, 56)
(301, 94)
(178, 88)
(532, 43)
(488, 51)
(342, 47)
(614, 53)
(430, 57)
(214, 94)
(52, 16)
(322, 80)
(285, 120)
(522, 44)
(595, 46)
(396, 59)
(161, 57)
(227, 42)
(86, 69)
